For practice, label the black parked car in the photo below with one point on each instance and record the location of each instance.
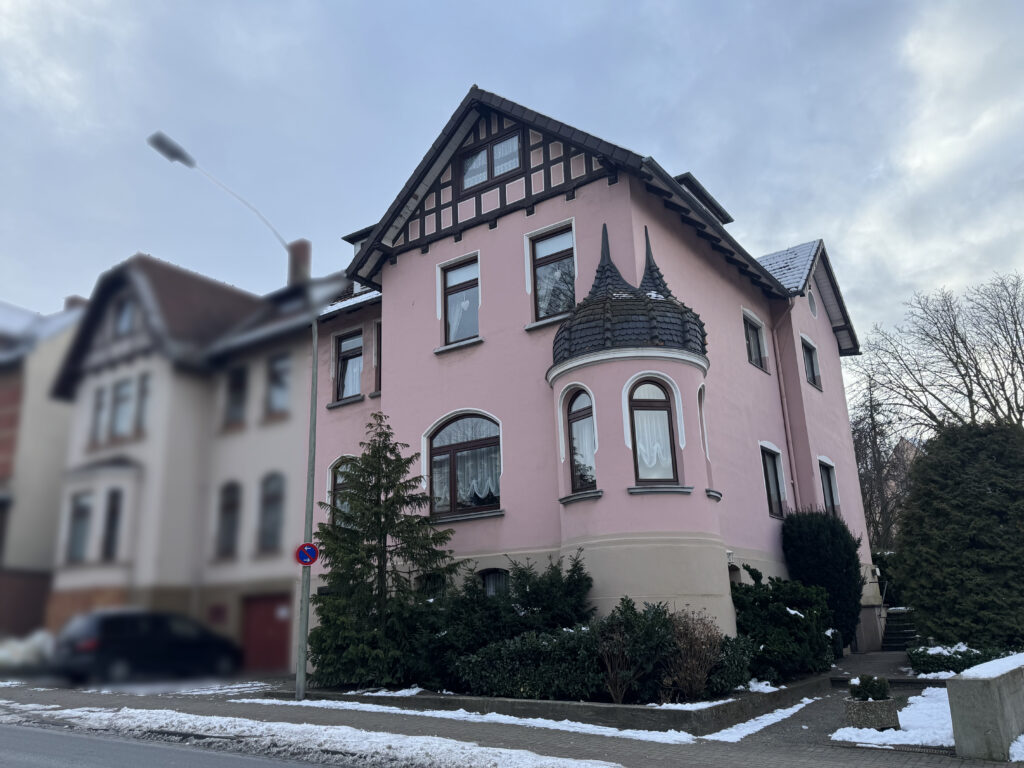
(117, 645)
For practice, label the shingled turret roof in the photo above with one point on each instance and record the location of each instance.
(615, 315)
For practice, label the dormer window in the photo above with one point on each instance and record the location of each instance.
(124, 317)
(496, 159)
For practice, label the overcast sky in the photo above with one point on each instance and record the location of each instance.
(893, 130)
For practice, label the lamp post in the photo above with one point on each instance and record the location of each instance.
(174, 152)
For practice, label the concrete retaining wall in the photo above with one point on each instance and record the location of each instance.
(988, 714)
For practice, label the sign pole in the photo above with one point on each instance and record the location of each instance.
(300, 663)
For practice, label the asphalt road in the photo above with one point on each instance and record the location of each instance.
(25, 747)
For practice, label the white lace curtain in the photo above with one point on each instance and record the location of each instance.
(584, 446)
(478, 476)
(353, 371)
(653, 445)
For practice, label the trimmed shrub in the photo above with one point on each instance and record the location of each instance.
(732, 669)
(787, 622)
(870, 689)
(821, 551)
(956, 658)
(698, 647)
(961, 538)
(557, 665)
(634, 648)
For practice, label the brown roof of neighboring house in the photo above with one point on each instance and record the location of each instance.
(195, 309)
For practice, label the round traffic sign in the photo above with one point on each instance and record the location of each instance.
(306, 554)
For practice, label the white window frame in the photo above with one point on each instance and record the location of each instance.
(560, 415)
(702, 416)
(676, 397)
(439, 270)
(426, 437)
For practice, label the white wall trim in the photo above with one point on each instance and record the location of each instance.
(425, 438)
(782, 469)
(561, 417)
(807, 340)
(664, 378)
(330, 473)
(529, 237)
(627, 353)
(346, 331)
(702, 414)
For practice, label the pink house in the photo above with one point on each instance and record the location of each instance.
(585, 358)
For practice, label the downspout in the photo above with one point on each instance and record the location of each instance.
(785, 404)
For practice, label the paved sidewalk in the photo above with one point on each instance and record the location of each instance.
(800, 741)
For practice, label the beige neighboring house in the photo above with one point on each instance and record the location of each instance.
(184, 486)
(33, 437)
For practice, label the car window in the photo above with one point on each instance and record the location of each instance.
(126, 626)
(183, 628)
(78, 626)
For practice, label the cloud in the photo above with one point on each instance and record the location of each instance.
(56, 56)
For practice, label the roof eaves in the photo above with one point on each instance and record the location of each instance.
(847, 323)
(709, 218)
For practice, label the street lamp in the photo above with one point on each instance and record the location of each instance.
(174, 152)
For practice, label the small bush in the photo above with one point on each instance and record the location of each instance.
(557, 665)
(870, 689)
(732, 669)
(634, 648)
(956, 658)
(698, 646)
(787, 622)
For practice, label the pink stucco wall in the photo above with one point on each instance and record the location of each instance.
(503, 376)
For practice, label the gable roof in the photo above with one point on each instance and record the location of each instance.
(681, 194)
(21, 329)
(795, 267)
(184, 311)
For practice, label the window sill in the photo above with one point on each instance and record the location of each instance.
(572, 498)
(459, 345)
(641, 489)
(815, 384)
(711, 493)
(374, 395)
(346, 401)
(554, 319)
(468, 516)
(762, 368)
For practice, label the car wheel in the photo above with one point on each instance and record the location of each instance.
(224, 666)
(118, 671)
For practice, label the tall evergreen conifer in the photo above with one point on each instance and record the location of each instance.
(960, 550)
(375, 547)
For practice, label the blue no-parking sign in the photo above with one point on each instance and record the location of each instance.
(306, 554)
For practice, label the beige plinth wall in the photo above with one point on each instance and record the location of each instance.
(987, 713)
(686, 571)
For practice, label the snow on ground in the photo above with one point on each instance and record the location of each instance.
(925, 721)
(572, 726)
(185, 688)
(945, 675)
(756, 686)
(10, 683)
(737, 732)
(994, 668)
(692, 705)
(1017, 749)
(369, 748)
(22, 651)
(7, 704)
(384, 692)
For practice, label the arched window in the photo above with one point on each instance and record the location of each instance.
(650, 415)
(582, 442)
(703, 422)
(465, 466)
(337, 481)
(271, 513)
(229, 513)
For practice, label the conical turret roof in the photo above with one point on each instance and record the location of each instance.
(616, 315)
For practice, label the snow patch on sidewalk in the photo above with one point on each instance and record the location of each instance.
(742, 730)
(385, 692)
(572, 726)
(10, 683)
(188, 688)
(370, 748)
(691, 705)
(756, 686)
(925, 721)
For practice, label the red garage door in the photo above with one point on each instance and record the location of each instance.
(266, 632)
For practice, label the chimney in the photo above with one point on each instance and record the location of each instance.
(74, 302)
(299, 258)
